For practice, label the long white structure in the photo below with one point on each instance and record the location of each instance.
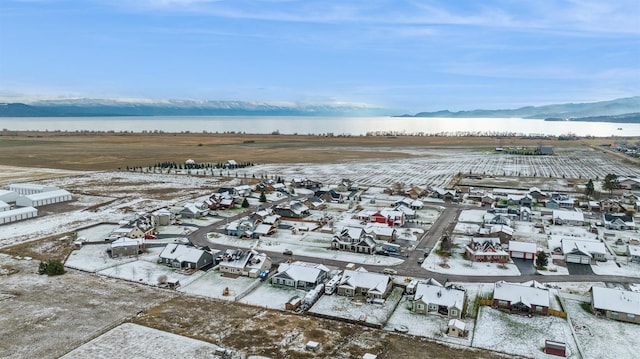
(17, 214)
(8, 196)
(31, 188)
(44, 198)
(4, 206)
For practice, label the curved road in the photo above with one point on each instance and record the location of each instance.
(410, 267)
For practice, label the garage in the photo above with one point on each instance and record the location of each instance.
(578, 258)
(522, 250)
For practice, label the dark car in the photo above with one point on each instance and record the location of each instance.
(287, 252)
(382, 253)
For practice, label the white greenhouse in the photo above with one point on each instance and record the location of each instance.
(17, 214)
(31, 188)
(8, 196)
(44, 198)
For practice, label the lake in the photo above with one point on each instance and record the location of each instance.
(323, 125)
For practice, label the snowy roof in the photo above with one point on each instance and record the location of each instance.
(502, 228)
(181, 253)
(262, 229)
(444, 296)
(458, 324)
(4, 205)
(9, 196)
(591, 247)
(353, 232)
(616, 300)
(32, 186)
(518, 293)
(255, 260)
(634, 250)
(380, 230)
(363, 279)
(17, 211)
(126, 242)
(302, 271)
(523, 247)
(271, 219)
(47, 195)
(568, 215)
(162, 212)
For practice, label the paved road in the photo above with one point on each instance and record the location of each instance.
(410, 267)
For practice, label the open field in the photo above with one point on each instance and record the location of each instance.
(103, 151)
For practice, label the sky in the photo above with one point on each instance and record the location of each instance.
(407, 55)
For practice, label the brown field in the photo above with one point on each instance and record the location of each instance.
(109, 151)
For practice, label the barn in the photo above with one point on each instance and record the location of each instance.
(524, 250)
(31, 188)
(17, 214)
(43, 198)
(8, 196)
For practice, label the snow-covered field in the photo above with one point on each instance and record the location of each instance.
(336, 306)
(213, 284)
(135, 341)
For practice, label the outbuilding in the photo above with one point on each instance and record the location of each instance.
(31, 188)
(4, 206)
(555, 348)
(8, 196)
(44, 198)
(17, 214)
(524, 250)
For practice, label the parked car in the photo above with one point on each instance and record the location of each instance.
(287, 252)
(150, 236)
(420, 260)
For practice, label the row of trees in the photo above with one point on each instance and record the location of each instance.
(610, 183)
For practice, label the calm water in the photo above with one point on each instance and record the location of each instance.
(321, 125)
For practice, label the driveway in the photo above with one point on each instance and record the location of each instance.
(579, 269)
(525, 266)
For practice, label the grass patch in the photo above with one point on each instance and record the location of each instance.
(586, 307)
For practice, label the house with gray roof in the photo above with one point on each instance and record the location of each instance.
(618, 221)
(183, 256)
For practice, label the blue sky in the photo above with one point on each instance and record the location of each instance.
(408, 55)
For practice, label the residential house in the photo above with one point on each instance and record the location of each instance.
(124, 247)
(409, 213)
(524, 250)
(629, 183)
(486, 250)
(618, 221)
(574, 218)
(415, 192)
(295, 209)
(537, 194)
(448, 195)
(346, 185)
(496, 219)
(300, 275)
(381, 232)
(360, 283)
(220, 201)
(409, 203)
(306, 183)
(315, 203)
(487, 200)
(519, 200)
(616, 304)
(505, 233)
(433, 297)
(183, 256)
(525, 214)
(611, 206)
(163, 217)
(127, 231)
(354, 239)
(583, 251)
(194, 210)
(521, 298)
(246, 263)
(560, 200)
(329, 196)
(634, 253)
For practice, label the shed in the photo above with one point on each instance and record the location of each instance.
(293, 303)
(457, 328)
(312, 346)
(555, 348)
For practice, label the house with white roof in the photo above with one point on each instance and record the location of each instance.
(183, 256)
(574, 218)
(433, 297)
(354, 239)
(356, 283)
(634, 253)
(524, 250)
(582, 251)
(194, 210)
(123, 247)
(247, 263)
(300, 275)
(381, 232)
(521, 298)
(616, 304)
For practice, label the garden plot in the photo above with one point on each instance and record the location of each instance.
(336, 306)
(135, 341)
(521, 335)
(214, 284)
(271, 296)
(600, 337)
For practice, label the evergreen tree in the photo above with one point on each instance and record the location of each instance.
(610, 183)
(589, 189)
(263, 197)
(245, 203)
(542, 259)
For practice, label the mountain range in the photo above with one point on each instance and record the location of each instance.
(573, 111)
(105, 107)
(618, 110)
